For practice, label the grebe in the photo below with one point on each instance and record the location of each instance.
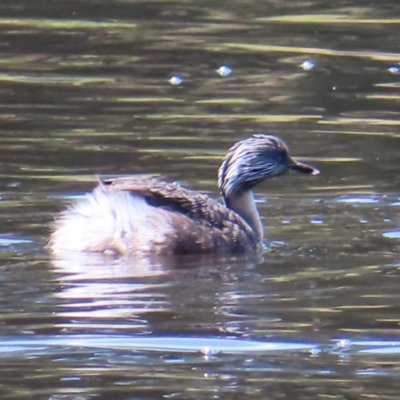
(138, 215)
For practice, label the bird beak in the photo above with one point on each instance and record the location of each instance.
(303, 168)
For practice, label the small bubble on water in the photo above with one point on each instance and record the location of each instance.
(394, 70)
(314, 352)
(224, 70)
(307, 65)
(208, 351)
(286, 221)
(13, 184)
(343, 344)
(317, 221)
(175, 80)
(70, 378)
(387, 220)
(364, 221)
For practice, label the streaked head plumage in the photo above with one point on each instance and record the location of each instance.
(253, 160)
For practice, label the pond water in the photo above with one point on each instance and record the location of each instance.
(96, 87)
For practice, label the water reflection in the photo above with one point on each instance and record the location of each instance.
(97, 292)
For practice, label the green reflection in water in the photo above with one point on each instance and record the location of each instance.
(373, 55)
(65, 24)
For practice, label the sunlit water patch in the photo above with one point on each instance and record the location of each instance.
(392, 234)
(170, 344)
(7, 241)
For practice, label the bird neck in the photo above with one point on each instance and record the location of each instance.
(244, 205)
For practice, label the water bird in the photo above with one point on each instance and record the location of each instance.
(139, 216)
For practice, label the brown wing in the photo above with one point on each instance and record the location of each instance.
(178, 199)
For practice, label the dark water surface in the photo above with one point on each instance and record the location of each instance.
(86, 89)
